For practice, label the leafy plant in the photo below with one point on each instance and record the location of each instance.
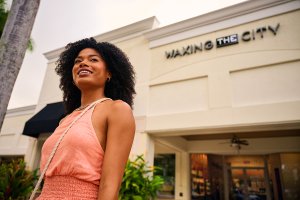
(15, 181)
(3, 15)
(138, 182)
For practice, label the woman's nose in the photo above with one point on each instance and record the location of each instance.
(82, 63)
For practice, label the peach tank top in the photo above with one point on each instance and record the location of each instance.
(79, 154)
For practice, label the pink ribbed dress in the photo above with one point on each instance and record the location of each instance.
(75, 170)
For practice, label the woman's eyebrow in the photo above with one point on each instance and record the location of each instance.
(89, 56)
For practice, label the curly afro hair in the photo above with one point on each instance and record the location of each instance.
(121, 85)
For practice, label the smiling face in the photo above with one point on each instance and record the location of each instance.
(89, 70)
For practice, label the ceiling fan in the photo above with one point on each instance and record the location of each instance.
(237, 143)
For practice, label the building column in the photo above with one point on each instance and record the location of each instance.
(182, 176)
(267, 179)
(226, 181)
(31, 153)
(149, 150)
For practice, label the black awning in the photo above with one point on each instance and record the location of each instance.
(45, 121)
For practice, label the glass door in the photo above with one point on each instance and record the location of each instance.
(247, 183)
(256, 183)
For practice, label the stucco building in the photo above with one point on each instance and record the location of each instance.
(217, 104)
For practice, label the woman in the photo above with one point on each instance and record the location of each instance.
(97, 79)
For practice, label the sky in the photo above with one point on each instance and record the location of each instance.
(59, 22)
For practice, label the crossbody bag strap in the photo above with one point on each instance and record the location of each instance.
(57, 144)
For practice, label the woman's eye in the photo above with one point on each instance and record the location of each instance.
(94, 59)
(77, 61)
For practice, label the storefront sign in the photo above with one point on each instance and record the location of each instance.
(228, 40)
(246, 36)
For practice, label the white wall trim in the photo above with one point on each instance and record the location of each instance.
(131, 29)
(234, 128)
(26, 110)
(17, 151)
(224, 18)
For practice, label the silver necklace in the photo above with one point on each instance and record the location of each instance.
(82, 107)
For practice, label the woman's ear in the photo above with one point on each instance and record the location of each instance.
(109, 75)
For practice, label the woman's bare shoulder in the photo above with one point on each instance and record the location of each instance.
(118, 110)
(119, 105)
(112, 107)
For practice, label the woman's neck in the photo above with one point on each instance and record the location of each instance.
(89, 97)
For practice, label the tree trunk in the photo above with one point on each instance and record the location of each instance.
(13, 45)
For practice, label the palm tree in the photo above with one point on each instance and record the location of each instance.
(3, 18)
(13, 45)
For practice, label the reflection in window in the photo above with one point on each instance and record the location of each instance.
(8, 159)
(167, 163)
(290, 169)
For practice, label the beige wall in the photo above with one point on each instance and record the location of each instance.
(250, 86)
(50, 91)
(250, 83)
(12, 142)
(139, 55)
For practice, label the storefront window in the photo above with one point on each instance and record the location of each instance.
(248, 183)
(255, 177)
(206, 177)
(8, 159)
(247, 177)
(167, 163)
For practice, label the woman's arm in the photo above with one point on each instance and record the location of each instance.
(120, 134)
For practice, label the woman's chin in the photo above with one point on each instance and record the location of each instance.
(86, 84)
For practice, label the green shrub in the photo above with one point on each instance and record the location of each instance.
(15, 181)
(138, 182)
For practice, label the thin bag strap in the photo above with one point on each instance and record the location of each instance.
(57, 144)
